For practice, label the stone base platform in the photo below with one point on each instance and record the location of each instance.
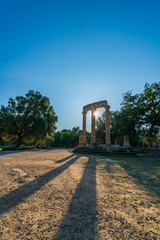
(105, 149)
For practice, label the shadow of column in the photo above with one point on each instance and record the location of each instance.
(80, 220)
(16, 196)
(66, 158)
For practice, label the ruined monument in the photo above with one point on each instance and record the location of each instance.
(92, 107)
(106, 148)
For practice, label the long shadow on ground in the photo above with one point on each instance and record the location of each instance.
(7, 152)
(16, 196)
(3, 153)
(143, 171)
(66, 158)
(145, 174)
(80, 220)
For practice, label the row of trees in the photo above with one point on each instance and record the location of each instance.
(68, 138)
(139, 117)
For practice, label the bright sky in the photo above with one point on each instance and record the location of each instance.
(78, 52)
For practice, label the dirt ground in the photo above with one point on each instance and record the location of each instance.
(55, 194)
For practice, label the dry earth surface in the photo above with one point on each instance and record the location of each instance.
(55, 194)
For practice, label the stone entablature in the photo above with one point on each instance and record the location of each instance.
(95, 105)
(92, 107)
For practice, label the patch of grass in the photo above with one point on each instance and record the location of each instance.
(144, 170)
(157, 170)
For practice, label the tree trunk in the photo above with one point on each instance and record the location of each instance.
(19, 140)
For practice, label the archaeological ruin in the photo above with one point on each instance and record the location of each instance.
(94, 147)
(92, 107)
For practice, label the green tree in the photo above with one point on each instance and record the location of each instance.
(57, 139)
(28, 116)
(67, 138)
(143, 109)
(75, 131)
(100, 127)
(120, 124)
(138, 116)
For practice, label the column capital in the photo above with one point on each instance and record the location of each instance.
(107, 107)
(84, 112)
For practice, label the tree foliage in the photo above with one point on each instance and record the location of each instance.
(30, 116)
(67, 138)
(143, 108)
(100, 127)
(138, 116)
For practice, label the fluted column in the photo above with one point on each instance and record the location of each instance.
(93, 132)
(107, 126)
(84, 127)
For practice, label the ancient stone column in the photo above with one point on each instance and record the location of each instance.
(93, 132)
(84, 127)
(107, 126)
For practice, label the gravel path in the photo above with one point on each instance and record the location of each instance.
(54, 194)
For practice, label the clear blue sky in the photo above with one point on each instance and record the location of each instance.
(77, 52)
